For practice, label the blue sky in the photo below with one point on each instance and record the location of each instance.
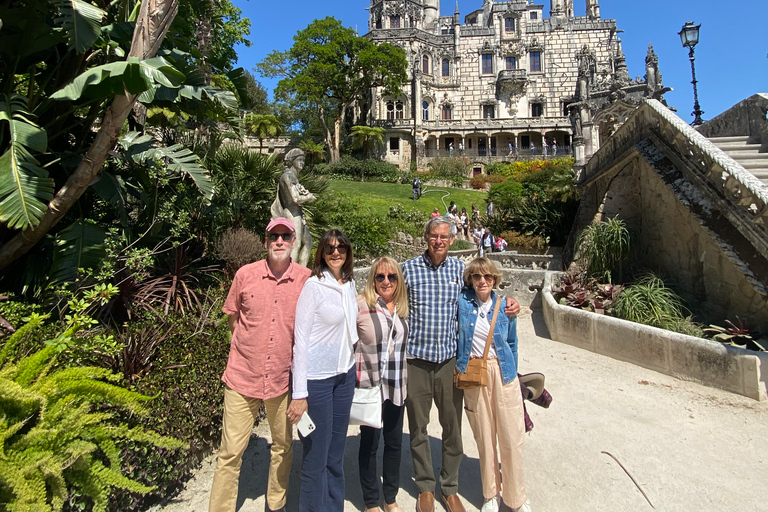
(731, 57)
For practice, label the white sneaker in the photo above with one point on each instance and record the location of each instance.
(525, 508)
(491, 505)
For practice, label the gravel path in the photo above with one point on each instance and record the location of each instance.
(689, 447)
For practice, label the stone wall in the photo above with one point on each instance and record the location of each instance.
(746, 118)
(699, 217)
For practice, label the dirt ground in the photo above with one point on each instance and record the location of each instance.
(688, 447)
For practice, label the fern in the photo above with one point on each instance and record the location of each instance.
(56, 436)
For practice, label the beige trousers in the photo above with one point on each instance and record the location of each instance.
(240, 413)
(495, 413)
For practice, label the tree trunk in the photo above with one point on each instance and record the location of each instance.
(335, 153)
(155, 17)
(333, 149)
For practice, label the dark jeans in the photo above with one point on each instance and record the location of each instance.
(392, 418)
(322, 473)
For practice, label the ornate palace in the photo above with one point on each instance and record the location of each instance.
(505, 75)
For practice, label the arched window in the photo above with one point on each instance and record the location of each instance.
(446, 67)
(446, 112)
(394, 22)
(390, 110)
(399, 110)
(425, 111)
(425, 64)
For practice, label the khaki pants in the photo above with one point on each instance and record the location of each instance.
(240, 413)
(495, 413)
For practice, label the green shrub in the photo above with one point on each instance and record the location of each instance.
(602, 246)
(60, 427)
(461, 245)
(239, 247)
(506, 195)
(369, 169)
(186, 378)
(534, 243)
(479, 181)
(648, 301)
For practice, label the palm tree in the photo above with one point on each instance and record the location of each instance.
(262, 126)
(367, 137)
(315, 152)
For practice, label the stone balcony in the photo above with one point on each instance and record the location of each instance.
(512, 76)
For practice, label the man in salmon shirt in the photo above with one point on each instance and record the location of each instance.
(261, 305)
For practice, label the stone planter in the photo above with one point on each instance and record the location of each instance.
(685, 357)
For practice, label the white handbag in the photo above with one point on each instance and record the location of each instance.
(366, 407)
(366, 404)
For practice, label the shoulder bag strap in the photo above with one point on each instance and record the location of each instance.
(493, 326)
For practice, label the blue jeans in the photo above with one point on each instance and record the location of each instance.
(322, 474)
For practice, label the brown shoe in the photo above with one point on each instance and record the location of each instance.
(426, 502)
(453, 503)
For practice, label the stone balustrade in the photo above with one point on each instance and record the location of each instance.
(745, 195)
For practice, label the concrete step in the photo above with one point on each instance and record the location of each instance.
(717, 140)
(744, 153)
(753, 164)
(734, 145)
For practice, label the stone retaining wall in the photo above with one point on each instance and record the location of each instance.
(685, 357)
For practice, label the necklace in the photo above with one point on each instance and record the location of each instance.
(484, 309)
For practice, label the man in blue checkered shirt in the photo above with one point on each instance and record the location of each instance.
(434, 281)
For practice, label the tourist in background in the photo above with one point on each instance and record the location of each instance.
(464, 223)
(495, 411)
(324, 371)
(435, 213)
(490, 209)
(383, 331)
(533, 149)
(475, 216)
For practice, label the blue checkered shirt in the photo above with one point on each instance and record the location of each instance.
(433, 298)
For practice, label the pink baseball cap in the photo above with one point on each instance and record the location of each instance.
(280, 221)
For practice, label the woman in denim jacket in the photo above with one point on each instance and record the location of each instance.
(495, 411)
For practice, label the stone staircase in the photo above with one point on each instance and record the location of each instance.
(746, 154)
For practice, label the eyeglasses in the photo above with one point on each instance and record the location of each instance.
(442, 238)
(287, 237)
(487, 277)
(392, 278)
(328, 250)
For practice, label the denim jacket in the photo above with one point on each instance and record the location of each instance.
(504, 334)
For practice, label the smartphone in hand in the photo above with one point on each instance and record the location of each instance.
(305, 425)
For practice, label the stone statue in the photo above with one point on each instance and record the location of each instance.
(290, 196)
(575, 118)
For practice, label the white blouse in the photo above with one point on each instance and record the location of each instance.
(325, 331)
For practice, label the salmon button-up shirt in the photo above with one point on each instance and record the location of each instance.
(259, 364)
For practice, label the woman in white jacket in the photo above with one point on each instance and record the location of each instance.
(324, 370)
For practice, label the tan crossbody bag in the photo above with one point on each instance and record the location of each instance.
(477, 369)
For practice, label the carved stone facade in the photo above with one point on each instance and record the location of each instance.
(505, 75)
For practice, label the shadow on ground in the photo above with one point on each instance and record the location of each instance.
(255, 468)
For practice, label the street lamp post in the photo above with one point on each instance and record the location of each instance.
(689, 35)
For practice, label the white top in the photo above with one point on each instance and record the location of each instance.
(325, 331)
(482, 327)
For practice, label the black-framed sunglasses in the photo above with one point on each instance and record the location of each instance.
(328, 250)
(287, 237)
(392, 278)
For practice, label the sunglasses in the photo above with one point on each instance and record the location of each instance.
(328, 250)
(487, 277)
(392, 278)
(287, 237)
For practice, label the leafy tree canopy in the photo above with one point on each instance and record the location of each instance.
(329, 68)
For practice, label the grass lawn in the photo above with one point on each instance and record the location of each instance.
(380, 196)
